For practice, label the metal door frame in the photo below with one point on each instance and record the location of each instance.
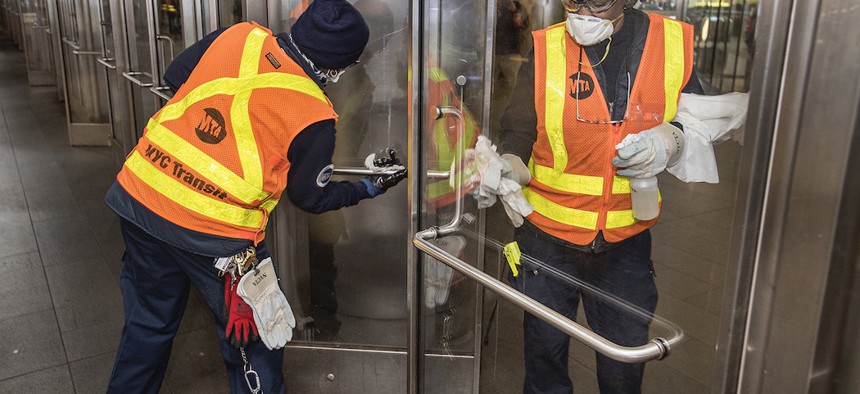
(793, 253)
(82, 133)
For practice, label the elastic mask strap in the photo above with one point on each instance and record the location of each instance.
(605, 54)
(608, 44)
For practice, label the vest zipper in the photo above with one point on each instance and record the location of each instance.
(607, 185)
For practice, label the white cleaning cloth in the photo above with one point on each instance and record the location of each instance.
(706, 120)
(491, 182)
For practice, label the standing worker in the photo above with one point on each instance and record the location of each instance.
(249, 119)
(610, 71)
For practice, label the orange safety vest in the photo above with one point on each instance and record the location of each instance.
(574, 188)
(214, 158)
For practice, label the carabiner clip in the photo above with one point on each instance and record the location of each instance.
(256, 377)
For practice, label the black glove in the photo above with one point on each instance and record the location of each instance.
(389, 161)
(383, 182)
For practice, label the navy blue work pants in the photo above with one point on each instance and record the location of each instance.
(624, 271)
(155, 283)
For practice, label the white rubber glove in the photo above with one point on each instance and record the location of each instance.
(515, 170)
(272, 313)
(647, 153)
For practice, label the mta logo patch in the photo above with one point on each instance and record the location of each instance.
(211, 128)
(584, 85)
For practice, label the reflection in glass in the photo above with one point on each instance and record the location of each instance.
(454, 64)
(355, 291)
(230, 12)
(725, 43)
(690, 242)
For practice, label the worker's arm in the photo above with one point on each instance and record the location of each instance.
(310, 157)
(519, 121)
(182, 65)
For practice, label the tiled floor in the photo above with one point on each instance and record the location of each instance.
(60, 249)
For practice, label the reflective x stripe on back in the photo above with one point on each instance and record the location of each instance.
(249, 187)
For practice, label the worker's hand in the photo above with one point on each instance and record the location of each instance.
(272, 313)
(515, 170)
(647, 153)
(389, 161)
(378, 184)
(240, 317)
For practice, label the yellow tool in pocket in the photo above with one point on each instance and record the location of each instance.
(513, 254)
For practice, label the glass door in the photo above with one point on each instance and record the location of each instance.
(35, 27)
(155, 32)
(453, 108)
(691, 250)
(140, 69)
(13, 22)
(176, 27)
(346, 272)
(86, 97)
(113, 59)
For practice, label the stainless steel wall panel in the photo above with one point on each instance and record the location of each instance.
(815, 126)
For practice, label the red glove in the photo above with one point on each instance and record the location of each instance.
(240, 317)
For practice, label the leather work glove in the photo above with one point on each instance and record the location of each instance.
(241, 329)
(272, 313)
(515, 170)
(649, 152)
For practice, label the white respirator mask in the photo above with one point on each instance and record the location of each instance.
(589, 30)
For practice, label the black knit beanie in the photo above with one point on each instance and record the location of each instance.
(331, 33)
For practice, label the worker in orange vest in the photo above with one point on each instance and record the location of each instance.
(249, 119)
(607, 72)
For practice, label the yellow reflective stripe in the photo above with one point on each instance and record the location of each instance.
(673, 35)
(620, 185)
(571, 183)
(193, 157)
(438, 189)
(616, 219)
(558, 213)
(444, 154)
(249, 155)
(250, 63)
(442, 187)
(444, 150)
(269, 205)
(437, 75)
(190, 199)
(232, 86)
(556, 80)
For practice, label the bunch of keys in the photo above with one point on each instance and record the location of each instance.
(238, 264)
